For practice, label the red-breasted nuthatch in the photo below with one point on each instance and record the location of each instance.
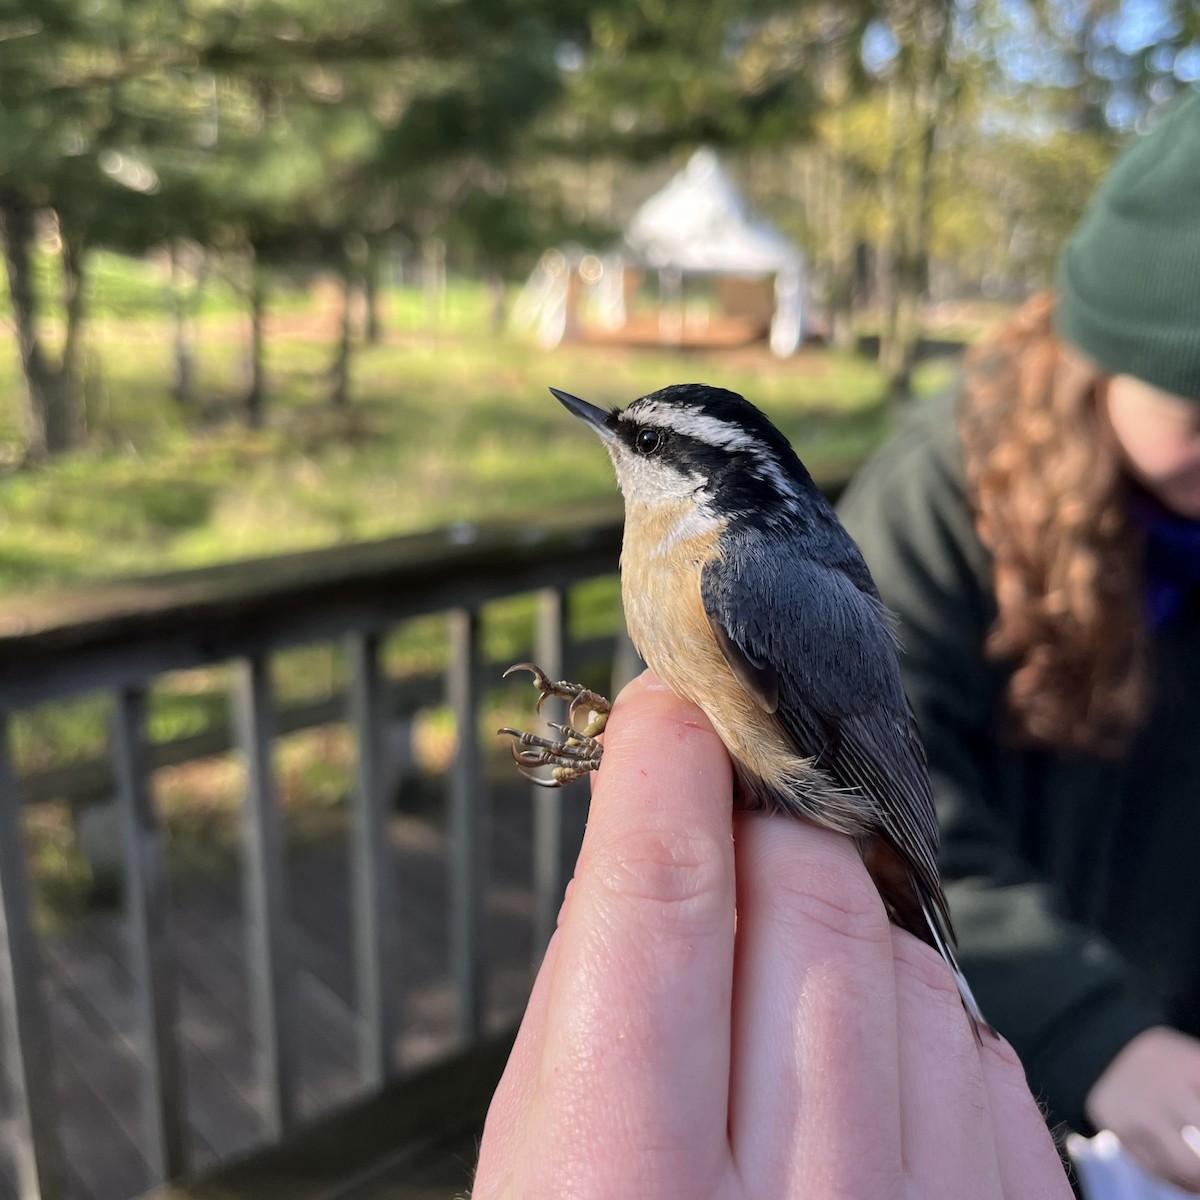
(744, 594)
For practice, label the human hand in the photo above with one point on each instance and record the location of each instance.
(1149, 1096)
(822, 1053)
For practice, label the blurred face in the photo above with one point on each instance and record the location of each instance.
(1159, 434)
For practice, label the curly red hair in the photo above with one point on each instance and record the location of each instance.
(1044, 471)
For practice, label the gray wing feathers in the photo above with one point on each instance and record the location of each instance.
(831, 649)
(759, 678)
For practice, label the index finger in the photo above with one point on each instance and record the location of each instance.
(637, 1042)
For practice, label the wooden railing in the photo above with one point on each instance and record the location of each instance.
(120, 638)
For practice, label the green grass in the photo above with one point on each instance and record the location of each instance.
(444, 426)
(439, 432)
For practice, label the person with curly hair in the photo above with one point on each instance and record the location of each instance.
(1037, 534)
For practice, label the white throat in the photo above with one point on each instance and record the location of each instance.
(666, 507)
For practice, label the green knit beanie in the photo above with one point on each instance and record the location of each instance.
(1129, 278)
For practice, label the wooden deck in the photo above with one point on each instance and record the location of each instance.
(89, 990)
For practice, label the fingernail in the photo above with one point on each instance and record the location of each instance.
(1191, 1138)
(651, 682)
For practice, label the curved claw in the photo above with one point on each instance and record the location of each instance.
(540, 780)
(572, 707)
(540, 678)
(527, 758)
(525, 767)
(541, 681)
(519, 755)
(576, 751)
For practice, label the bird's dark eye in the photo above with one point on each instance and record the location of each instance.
(648, 440)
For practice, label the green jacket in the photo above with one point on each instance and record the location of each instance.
(1074, 883)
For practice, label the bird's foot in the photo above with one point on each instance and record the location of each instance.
(576, 751)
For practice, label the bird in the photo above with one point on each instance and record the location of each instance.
(744, 593)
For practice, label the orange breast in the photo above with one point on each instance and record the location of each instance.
(664, 611)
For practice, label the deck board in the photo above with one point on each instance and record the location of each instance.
(90, 991)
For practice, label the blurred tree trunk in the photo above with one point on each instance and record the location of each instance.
(189, 266)
(355, 267)
(433, 280)
(842, 260)
(339, 371)
(834, 211)
(254, 401)
(919, 95)
(74, 283)
(373, 326)
(498, 302)
(51, 389)
(827, 182)
(74, 274)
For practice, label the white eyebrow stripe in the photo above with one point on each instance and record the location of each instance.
(701, 426)
(719, 434)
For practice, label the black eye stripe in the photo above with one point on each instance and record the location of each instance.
(677, 448)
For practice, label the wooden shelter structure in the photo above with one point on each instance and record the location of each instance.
(723, 275)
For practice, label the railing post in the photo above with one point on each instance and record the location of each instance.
(466, 820)
(147, 906)
(373, 897)
(24, 1034)
(558, 816)
(268, 961)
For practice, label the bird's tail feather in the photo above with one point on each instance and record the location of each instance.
(943, 942)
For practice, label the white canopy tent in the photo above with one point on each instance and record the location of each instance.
(700, 224)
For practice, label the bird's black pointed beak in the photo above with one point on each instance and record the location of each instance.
(597, 418)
